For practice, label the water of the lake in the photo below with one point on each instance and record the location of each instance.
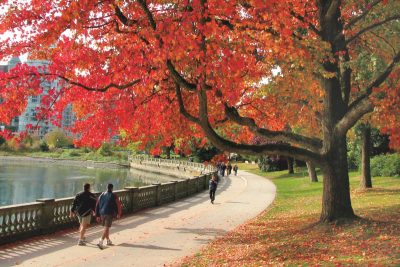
(26, 182)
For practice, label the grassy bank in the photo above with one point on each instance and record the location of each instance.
(287, 233)
(73, 154)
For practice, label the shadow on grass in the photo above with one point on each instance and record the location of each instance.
(379, 191)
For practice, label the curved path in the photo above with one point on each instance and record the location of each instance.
(156, 236)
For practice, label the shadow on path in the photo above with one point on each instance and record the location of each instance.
(17, 253)
(146, 247)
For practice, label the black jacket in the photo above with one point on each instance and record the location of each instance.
(212, 185)
(84, 203)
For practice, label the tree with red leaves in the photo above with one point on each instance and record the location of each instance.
(232, 69)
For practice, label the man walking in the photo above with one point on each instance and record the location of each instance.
(235, 169)
(108, 206)
(83, 206)
(213, 187)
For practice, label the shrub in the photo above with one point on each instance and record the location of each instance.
(105, 149)
(58, 139)
(44, 146)
(73, 153)
(270, 164)
(14, 145)
(386, 165)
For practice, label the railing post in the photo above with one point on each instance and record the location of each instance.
(196, 179)
(158, 194)
(187, 186)
(132, 197)
(46, 215)
(175, 189)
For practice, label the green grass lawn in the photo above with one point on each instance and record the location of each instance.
(288, 233)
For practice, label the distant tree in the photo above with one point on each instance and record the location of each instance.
(311, 172)
(57, 139)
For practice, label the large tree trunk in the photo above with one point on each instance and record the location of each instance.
(336, 202)
(290, 165)
(311, 171)
(366, 181)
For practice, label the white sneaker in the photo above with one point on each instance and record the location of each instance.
(100, 245)
(109, 243)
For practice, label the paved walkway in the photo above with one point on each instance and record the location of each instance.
(156, 236)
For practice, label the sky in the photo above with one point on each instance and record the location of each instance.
(24, 57)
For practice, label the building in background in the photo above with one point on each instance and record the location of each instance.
(28, 117)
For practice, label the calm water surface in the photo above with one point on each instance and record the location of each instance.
(26, 182)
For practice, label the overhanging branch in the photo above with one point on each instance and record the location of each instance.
(371, 27)
(228, 145)
(181, 104)
(313, 144)
(266, 149)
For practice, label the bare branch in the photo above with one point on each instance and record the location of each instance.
(99, 89)
(98, 25)
(372, 26)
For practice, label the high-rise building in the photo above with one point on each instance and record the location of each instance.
(29, 116)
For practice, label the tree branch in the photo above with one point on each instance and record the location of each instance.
(148, 13)
(362, 105)
(310, 25)
(352, 116)
(179, 78)
(382, 77)
(99, 89)
(182, 108)
(124, 20)
(372, 26)
(312, 143)
(361, 16)
(265, 149)
(333, 8)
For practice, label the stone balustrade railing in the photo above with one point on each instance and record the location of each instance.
(49, 215)
(171, 163)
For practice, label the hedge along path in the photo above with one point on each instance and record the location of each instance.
(156, 236)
